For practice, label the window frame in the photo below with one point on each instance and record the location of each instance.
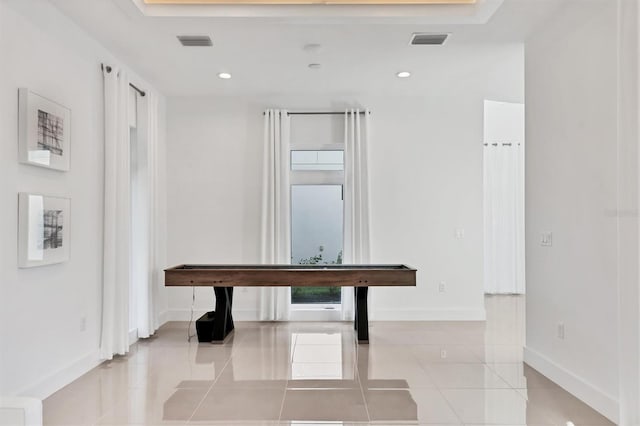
(315, 311)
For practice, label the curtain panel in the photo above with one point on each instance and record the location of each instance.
(504, 271)
(276, 212)
(114, 337)
(356, 197)
(147, 290)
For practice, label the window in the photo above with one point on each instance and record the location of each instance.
(316, 236)
(317, 160)
(317, 203)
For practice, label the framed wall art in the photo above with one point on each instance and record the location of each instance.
(44, 131)
(43, 230)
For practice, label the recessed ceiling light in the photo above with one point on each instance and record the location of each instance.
(312, 47)
(315, 66)
(224, 75)
(403, 74)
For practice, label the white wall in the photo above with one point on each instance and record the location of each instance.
(571, 172)
(503, 122)
(628, 217)
(43, 347)
(426, 181)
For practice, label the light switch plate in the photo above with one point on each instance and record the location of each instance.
(546, 239)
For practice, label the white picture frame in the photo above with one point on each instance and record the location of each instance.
(44, 131)
(43, 229)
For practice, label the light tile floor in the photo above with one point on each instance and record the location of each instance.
(445, 373)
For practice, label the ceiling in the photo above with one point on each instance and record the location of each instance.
(472, 12)
(191, 2)
(265, 54)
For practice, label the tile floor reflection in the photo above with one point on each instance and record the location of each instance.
(440, 373)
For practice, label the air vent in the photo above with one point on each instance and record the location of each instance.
(426, 39)
(195, 40)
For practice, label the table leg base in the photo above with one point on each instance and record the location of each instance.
(361, 320)
(224, 340)
(223, 322)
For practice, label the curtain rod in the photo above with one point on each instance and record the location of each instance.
(321, 113)
(133, 86)
(141, 92)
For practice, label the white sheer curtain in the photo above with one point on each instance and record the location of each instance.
(116, 257)
(276, 212)
(504, 218)
(147, 291)
(356, 197)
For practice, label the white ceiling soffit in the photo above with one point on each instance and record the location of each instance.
(437, 14)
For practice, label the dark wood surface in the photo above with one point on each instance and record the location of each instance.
(290, 275)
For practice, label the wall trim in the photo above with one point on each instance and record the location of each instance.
(57, 380)
(374, 315)
(185, 315)
(594, 397)
(61, 378)
(316, 315)
(428, 315)
(163, 318)
(29, 409)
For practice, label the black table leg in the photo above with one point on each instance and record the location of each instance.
(223, 322)
(355, 316)
(361, 317)
(230, 325)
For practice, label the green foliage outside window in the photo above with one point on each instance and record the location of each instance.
(317, 295)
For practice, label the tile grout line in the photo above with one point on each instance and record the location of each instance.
(114, 406)
(284, 395)
(286, 383)
(364, 399)
(493, 352)
(439, 391)
(210, 388)
(453, 410)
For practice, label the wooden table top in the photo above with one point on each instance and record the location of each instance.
(290, 275)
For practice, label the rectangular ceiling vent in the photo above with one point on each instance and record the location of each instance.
(195, 40)
(428, 39)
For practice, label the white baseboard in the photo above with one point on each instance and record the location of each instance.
(600, 401)
(428, 315)
(56, 381)
(185, 315)
(59, 379)
(315, 315)
(377, 315)
(20, 411)
(163, 318)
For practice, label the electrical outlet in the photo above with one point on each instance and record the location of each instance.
(83, 323)
(459, 233)
(443, 354)
(442, 286)
(546, 239)
(561, 331)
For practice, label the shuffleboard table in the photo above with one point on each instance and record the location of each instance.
(224, 277)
